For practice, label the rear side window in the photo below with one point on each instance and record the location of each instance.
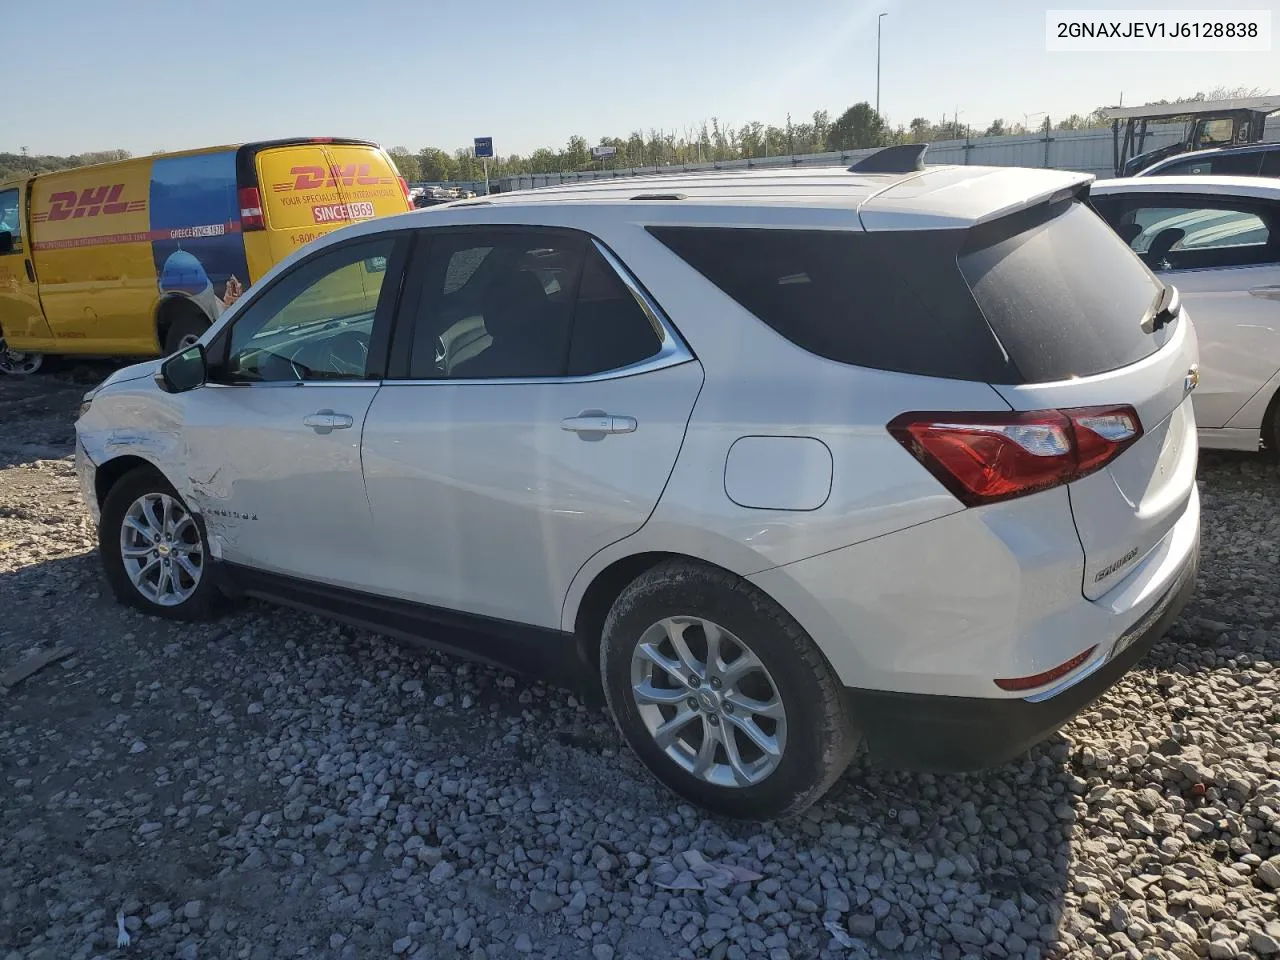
(887, 301)
(1062, 293)
(1230, 164)
(1042, 296)
(1271, 163)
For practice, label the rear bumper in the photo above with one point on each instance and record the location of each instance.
(949, 734)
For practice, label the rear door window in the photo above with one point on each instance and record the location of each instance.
(1271, 163)
(1184, 232)
(496, 304)
(611, 330)
(1229, 164)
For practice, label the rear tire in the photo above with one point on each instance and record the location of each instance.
(187, 327)
(781, 731)
(154, 550)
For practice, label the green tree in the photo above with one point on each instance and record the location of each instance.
(996, 129)
(406, 163)
(859, 126)
(434, 164)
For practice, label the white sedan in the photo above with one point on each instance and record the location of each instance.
(1217, 239)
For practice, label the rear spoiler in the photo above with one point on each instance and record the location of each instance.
(950, 198)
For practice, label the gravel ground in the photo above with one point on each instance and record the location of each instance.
(273, 785)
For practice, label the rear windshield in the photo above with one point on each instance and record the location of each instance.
(1063, 293)
(1031, 298)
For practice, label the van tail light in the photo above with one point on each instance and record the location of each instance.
(986, 457)
(404, 188)
(251, 210)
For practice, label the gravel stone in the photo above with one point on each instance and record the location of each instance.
(287, 784)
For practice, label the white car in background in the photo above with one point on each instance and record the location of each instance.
(1217, 239)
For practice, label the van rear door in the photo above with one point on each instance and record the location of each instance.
(310, 189)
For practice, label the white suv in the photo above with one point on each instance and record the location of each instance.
(786, 462)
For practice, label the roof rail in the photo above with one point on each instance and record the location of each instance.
(659, 196)
(904, 158)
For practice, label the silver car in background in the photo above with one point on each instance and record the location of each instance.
(1217, 239)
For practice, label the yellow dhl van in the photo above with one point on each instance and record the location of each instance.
(138, 257)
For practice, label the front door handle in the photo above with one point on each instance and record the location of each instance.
(594, 426)
(1267, 293)
(31, 271)
(326, 421)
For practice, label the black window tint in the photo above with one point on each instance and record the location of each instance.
(496, 303)
(315, 322)
(1271, 163)
(1236, 164)
(1061, 292)
(1042, 296)
(610, 329)
(892, 301)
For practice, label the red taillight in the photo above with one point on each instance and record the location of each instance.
(404, 188)
(985, 457)
(1040, 679)
(251, 210)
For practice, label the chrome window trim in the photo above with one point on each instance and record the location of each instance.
(672, 350)
(293, 383)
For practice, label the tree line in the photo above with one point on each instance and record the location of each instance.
(24, 164)
(858, 127)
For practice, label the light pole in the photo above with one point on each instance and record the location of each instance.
(878, 21)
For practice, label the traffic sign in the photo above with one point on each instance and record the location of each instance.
(484, 147)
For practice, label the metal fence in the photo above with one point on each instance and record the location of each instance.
(1089, 151)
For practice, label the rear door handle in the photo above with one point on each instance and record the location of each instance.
(1267, 293)
(326, 421)
(599, 424)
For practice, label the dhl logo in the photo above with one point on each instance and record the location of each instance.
(90, 202)
(347, 175)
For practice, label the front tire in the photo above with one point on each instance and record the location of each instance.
(154, 549)
(722, 695)
(15, 363)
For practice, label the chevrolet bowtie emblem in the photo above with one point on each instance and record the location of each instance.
(1190, 381)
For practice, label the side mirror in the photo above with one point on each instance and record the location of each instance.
(6, 242)
(183, 371)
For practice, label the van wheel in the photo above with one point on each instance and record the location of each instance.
(187, 327)
(722, 695)
(15, 363)
(154, 550)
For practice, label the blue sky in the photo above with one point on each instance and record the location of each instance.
(148, 75)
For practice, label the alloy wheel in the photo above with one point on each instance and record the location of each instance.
(708, 701)
(161, 549)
